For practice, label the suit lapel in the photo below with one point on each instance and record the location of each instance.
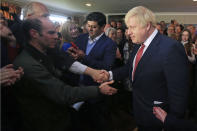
(152, 48)
(82, 43)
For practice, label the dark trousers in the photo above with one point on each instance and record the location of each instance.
(10, 116)
(95, 117)
(149, 128)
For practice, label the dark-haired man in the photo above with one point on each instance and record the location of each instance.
(44, 100)
(98, 51)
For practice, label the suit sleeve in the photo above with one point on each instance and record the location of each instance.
(126, 70)
(177, 79)
(62, 60)
(122, 72)
(106, 62)
(171, 123)
(53, 88)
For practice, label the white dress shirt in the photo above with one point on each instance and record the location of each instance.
(146, 43)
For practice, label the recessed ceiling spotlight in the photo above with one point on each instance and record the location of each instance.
(88, 4)
(194, 0)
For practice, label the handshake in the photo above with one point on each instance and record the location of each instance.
(101, 76)
(98, 76)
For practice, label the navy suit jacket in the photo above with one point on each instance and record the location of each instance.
(161, 75)
(171, 123)
(102, 55)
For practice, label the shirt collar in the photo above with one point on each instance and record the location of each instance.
(95, 39)
(150, 38)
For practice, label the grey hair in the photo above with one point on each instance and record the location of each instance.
(28, 9)
(109, 30)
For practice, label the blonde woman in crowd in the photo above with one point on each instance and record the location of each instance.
(69, 31)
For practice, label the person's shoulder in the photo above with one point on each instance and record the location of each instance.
(80, 38)
(167, 41)
(83, 36)
(23, 55)
(25, 60)
(168, 45)
(166, 38)
(108, 40)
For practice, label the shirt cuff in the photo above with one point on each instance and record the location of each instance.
(110, 75)
(77, 68)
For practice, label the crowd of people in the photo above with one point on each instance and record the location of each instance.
(69, 78)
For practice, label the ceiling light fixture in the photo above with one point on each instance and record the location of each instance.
(88, 4)
(194, 0)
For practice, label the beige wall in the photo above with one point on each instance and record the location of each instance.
(182, 18)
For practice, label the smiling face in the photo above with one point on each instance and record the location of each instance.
(137, 32)
(74, 32)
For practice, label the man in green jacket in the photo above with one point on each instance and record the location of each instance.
(44, 100)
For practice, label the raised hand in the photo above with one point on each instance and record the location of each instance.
(106, 89)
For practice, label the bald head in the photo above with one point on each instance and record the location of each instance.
(35, 10)
(40, 33)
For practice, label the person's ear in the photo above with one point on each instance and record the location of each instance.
(148, 26)
(102, 27)
(34, 33)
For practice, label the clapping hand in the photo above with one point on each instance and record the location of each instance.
(9, 75)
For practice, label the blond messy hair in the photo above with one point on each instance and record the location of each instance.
(143, 16)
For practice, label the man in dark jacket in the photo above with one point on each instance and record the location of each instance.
(98, 51)
(44, 100)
